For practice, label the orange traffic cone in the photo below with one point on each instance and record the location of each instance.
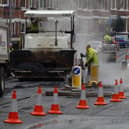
(13, 117)
(121, 92)
(115, 96)
(38, 108)
(100, 100)
(55, 108)
(82, 102)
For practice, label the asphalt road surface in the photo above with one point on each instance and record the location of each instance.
(111, 116)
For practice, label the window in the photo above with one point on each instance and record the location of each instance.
(22, 3)
(127, 4)
(107, 4)
(4, 1)
(34, 4)
(22, 27)
(121, 4)
(6, 12)
(41, 4)
(13, 29)
(13, 3)
(113, 3)
(46, 3)
(91, 4)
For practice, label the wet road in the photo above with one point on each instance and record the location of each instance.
(110, 116)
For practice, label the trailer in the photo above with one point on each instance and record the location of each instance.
(47, 48)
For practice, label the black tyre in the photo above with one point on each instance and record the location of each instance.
(21, 79)
(2, 81)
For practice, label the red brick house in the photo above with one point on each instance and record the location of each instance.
(12, 11)
(94, 11)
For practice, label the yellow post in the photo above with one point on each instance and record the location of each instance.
(76, 77)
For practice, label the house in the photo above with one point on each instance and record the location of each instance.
(96, 14)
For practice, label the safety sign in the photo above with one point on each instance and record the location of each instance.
(76, 70)
(76, 77)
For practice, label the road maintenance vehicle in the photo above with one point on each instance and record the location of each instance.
(48, 51)
(4, 56)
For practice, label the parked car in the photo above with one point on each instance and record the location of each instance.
(110, 50)
(122, 38)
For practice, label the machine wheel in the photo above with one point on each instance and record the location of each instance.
(2, 80)
(21, 79)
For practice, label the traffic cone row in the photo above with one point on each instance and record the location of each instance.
(38, 108)
(55, 108)
(83, 102)
(118, 94)
(121, 92)
(100, 100)
(115, 95)
(13, 116)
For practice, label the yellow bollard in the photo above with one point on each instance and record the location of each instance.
(94, 76)
(76, 77)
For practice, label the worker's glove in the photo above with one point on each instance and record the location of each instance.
(86, 64)
(82, 55)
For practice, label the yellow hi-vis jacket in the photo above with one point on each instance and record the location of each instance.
(92, 56)
(107, 38)
(34, 27)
